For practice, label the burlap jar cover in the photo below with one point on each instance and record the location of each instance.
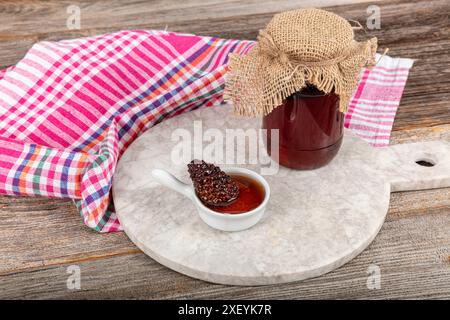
(298, 47)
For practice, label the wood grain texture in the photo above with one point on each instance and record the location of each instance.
(415, 264)
(38, 232)
(41, 237)
(25, 22)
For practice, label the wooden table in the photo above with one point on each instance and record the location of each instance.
(40, 238)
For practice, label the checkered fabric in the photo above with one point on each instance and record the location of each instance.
(69, 109)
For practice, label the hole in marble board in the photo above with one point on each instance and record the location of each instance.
(425, 159)
(425, 162)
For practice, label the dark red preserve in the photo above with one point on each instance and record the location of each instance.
(310, 128)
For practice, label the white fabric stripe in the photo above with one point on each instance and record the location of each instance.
(16, 89)
(30, 68)
(43, 47)
(371, 133)
(373, 113)
(380, 109)
(382, 77)
(389, 62)
(383, 83)
(387, 74)
(6, 97)
(365, 123)
(25, 80)
(379, 140)
(43, 63)
(377, 102)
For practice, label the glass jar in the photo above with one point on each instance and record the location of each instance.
(310, 127)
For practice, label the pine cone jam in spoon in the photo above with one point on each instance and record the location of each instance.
(213, 186)
(223, 193)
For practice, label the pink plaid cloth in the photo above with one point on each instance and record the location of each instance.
(372, 109)
(69, 109)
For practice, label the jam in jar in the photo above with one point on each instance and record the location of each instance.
(310, 128)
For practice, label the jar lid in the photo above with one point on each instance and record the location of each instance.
(296, 48)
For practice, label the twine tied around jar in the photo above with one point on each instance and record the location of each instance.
(269, 47)
(298, 47)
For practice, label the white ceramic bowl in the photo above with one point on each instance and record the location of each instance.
(216, 220)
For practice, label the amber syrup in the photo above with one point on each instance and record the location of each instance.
(251, 195)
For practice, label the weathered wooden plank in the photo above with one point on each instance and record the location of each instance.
(118, 13)
(234, 19)
(441, 132)
(38, 232)
(411, 253)
(241, 17)
(20, 18)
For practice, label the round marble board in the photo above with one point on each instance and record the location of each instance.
(315, 220)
